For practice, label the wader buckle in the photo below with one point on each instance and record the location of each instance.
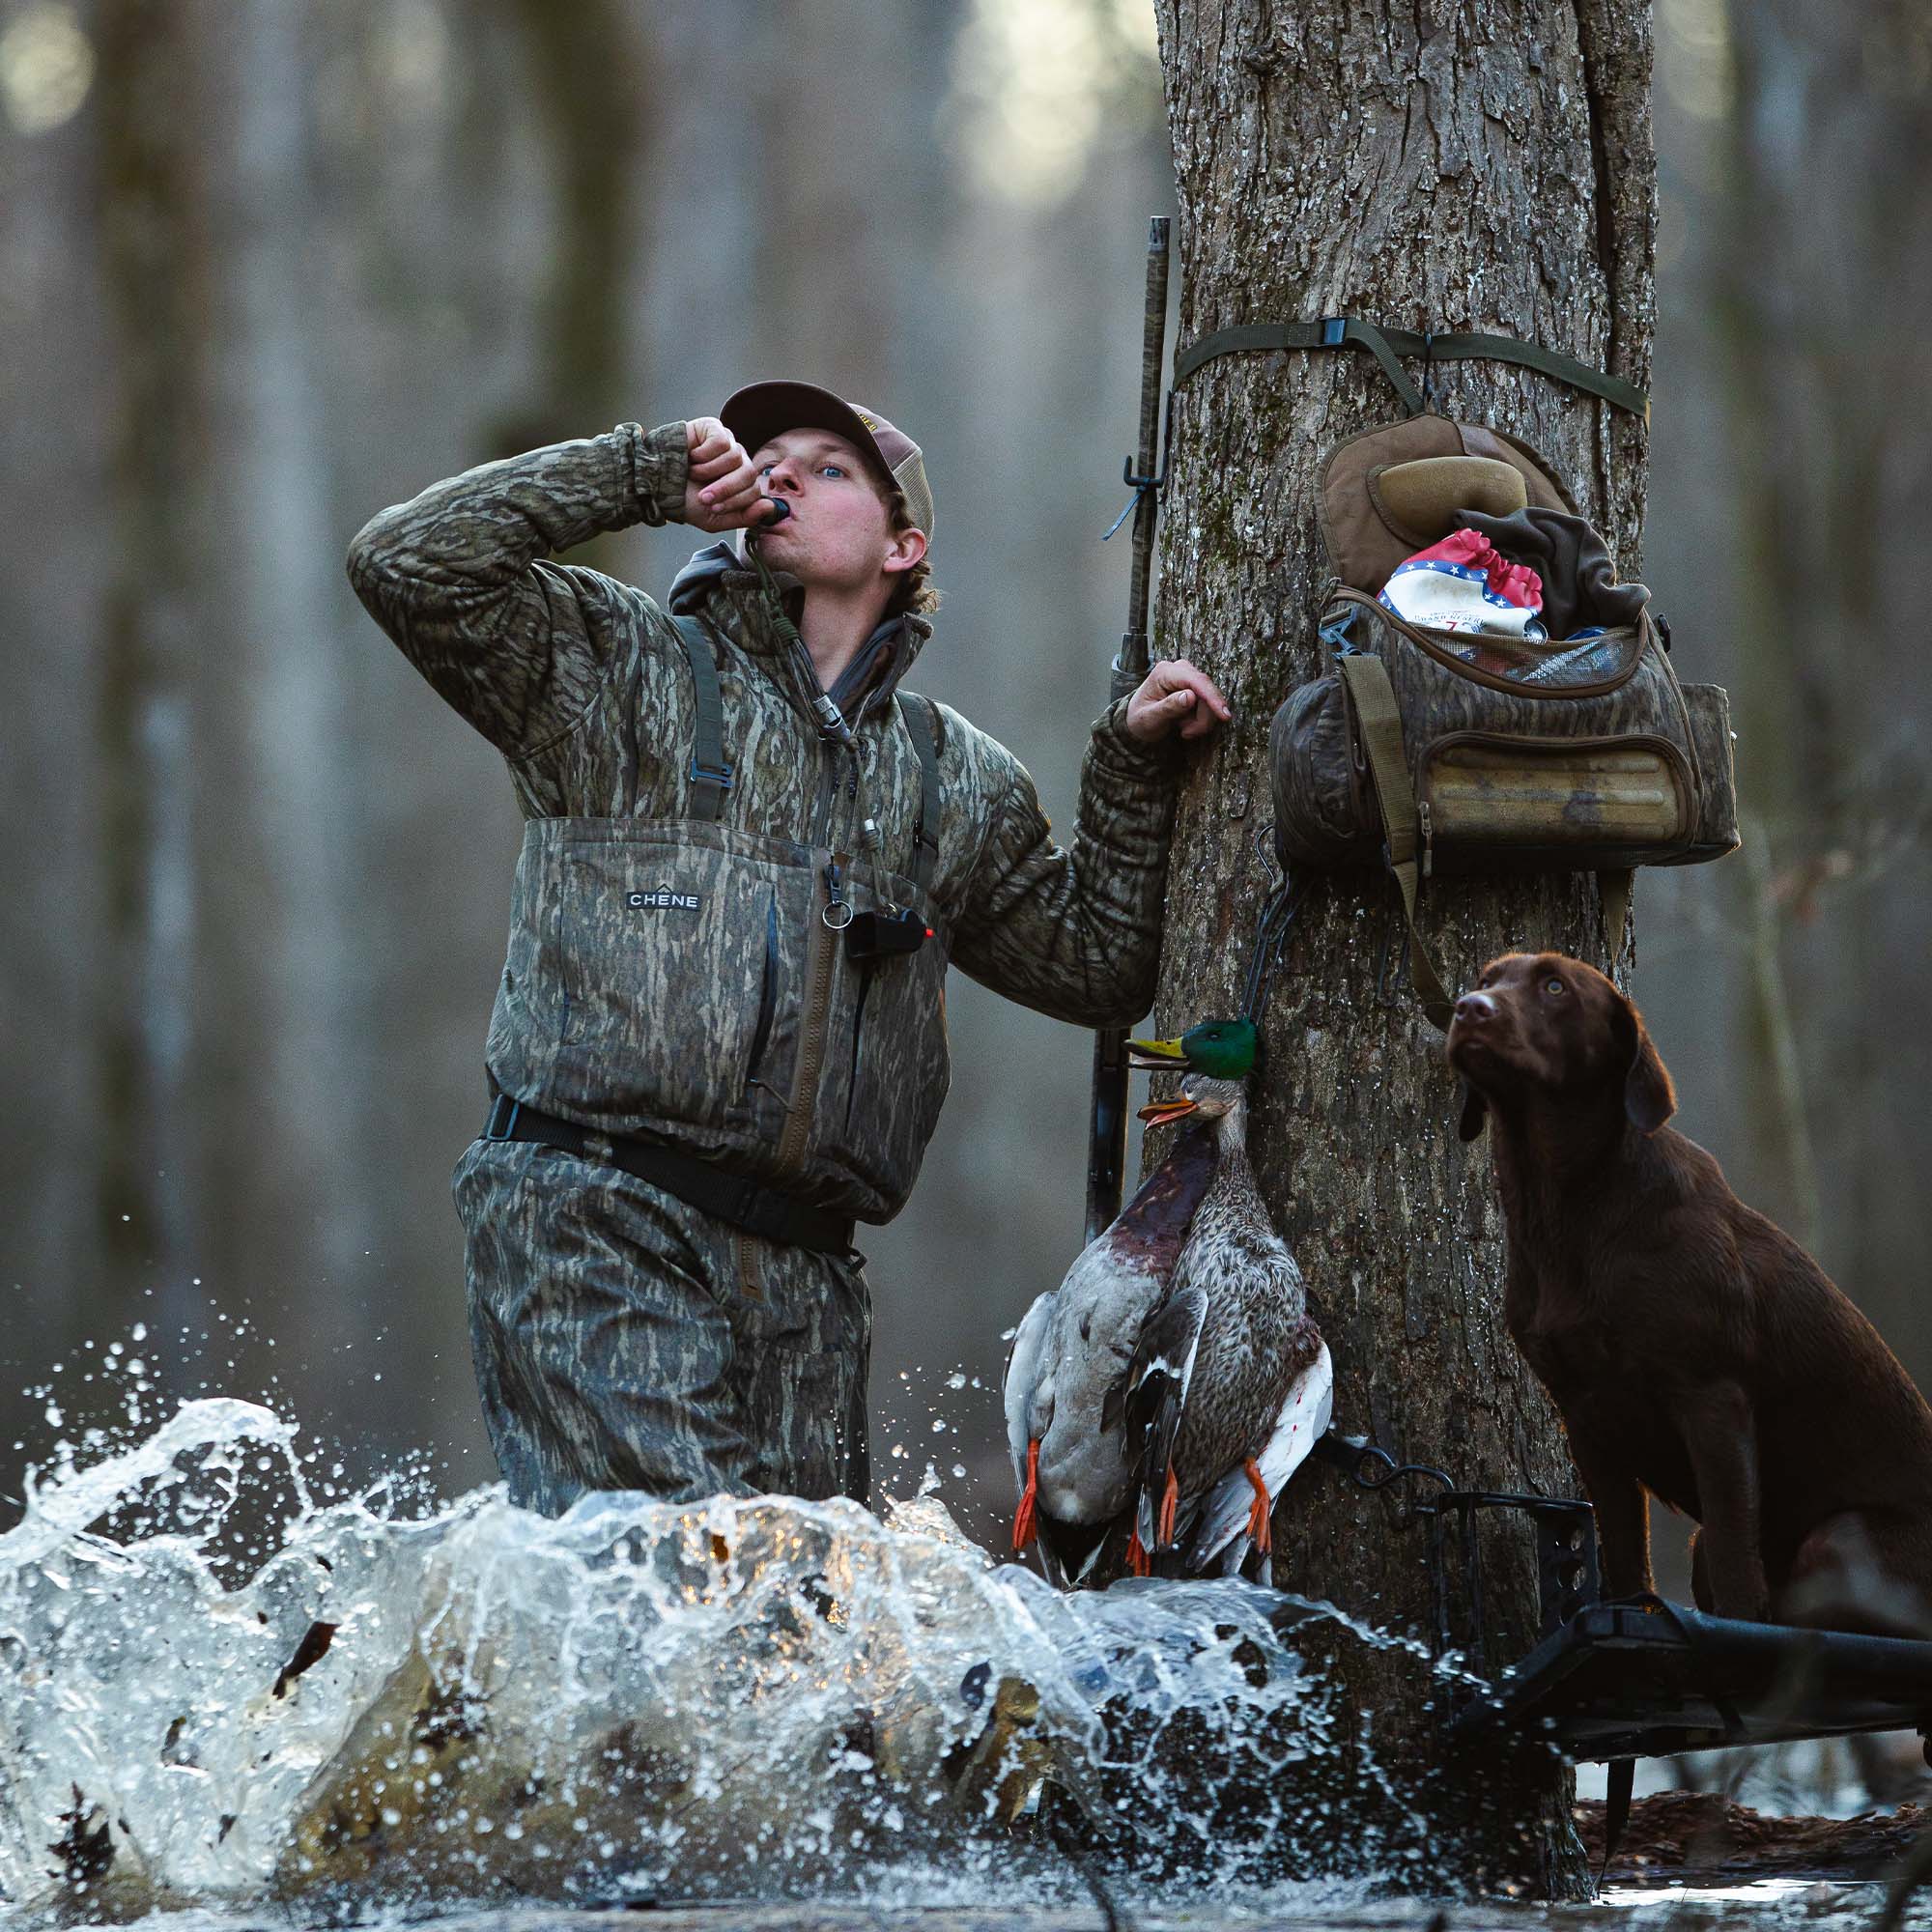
(502, 1125)
(723, 776)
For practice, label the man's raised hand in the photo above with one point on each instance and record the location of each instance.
(723, 493)
(1175, 695)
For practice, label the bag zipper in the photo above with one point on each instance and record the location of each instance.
(1450, 662)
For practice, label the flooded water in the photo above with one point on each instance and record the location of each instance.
(231, 1694)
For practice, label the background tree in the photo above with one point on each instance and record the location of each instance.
(1433, 168)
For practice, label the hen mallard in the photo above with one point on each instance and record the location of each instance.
(1068, 1369)
(1231, 1383)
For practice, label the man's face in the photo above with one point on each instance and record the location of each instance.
(840, 534)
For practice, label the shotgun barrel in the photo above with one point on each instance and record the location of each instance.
(1107, 1138)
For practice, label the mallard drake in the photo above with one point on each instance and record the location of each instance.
(1067, 1374)
(1230, 1382)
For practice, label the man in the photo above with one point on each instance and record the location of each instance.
(719, 1034)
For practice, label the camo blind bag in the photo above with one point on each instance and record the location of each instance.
(1552, 739)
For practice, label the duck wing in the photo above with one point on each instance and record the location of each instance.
(1025, 1389)
(1222, 1531)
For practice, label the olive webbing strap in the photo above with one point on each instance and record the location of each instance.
(1338, 332)
(1388, 344)
(922, 725)
(711, 778)
(1380, 724)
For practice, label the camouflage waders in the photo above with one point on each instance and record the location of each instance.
(676, 977)
(623, 1340)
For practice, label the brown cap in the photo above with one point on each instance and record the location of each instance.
(756, 414)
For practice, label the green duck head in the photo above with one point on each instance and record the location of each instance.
(1217, 1055)
(1221, 1049)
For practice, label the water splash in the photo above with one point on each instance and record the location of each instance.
(218, 1690)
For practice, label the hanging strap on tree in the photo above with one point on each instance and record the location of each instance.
(923, 723)
(1391, 346)
(1380, 724)
(711, 778)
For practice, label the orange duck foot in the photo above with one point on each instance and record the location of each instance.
(1170, 1502)
(1138, 1561)
(1261, 1514)
(1025, 1517)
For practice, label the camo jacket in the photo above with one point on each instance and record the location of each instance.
(680, 980)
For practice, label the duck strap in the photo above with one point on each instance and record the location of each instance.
(711, 778)
(921, 723)
(1380, 723)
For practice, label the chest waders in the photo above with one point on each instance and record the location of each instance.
(681, 1000)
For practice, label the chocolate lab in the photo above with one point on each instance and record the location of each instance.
(1696, 1352)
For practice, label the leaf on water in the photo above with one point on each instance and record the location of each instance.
(85, 1853)
(313, 1647)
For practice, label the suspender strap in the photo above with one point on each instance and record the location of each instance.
(1388, 344)
(924, 727)
(711, 778)
(1380, 724)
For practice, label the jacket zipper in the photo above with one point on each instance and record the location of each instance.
(821, 960)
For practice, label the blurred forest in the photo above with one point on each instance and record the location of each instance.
(269, 264)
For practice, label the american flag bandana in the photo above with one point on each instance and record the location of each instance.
(1465, 583)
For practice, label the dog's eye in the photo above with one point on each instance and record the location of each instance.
(1554, 986)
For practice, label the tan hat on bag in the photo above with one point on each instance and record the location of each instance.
(761, 411)
(1419, 499)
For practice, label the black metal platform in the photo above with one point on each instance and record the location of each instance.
(1636, 1677)
(1644, 1678)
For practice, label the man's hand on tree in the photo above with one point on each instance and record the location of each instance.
(723, 493)
(1175, 695)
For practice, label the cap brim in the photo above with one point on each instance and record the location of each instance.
(761, 411)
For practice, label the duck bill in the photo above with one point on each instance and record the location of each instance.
(1160, 1113)
(1154, 1056)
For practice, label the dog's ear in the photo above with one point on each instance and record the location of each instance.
(1472, 1110)
(1649, 1098)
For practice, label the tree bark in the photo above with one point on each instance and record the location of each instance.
(1433, 168)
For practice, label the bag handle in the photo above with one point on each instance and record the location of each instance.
(1380, 724)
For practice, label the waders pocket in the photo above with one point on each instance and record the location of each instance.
(674, 958)
(896, 1067)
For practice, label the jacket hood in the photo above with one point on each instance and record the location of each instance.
(718, 582)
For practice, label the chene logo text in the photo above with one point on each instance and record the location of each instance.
(664, 899)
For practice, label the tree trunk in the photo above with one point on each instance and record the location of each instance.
(1431, 169)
